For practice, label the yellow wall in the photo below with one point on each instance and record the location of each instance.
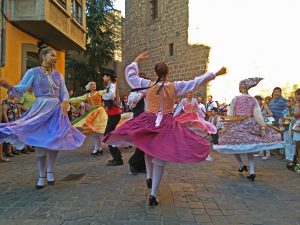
(11, 72)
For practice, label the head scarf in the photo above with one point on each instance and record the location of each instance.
(88, 86)
(250, 82)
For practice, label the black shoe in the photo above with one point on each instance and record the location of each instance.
(16, 153)
(31, 149)
(96, 152)
(251, 177)
(39, 187)
(115, 163)
(152, 201)
(244, 168)
(50, 183)
(149, 183)
(111, 160)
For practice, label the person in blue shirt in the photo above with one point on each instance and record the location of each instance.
(278, 104)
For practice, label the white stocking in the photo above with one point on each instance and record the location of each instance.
(239, 159)
(51, 158)
(158, 171)
(251, 163)
(149, 165)
(96, 140)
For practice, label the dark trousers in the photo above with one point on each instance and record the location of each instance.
(215, 138)
(112, 122)
(137, 161)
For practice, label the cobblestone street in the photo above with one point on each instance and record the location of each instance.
(205, 193)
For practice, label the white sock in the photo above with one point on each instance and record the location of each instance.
(251, 163)
(51, 158)
(239, 159)
(158, 172)
(96, 140)
(42, 167)
(149, 165)
(209, 158)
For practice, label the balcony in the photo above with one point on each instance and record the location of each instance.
(59, 23)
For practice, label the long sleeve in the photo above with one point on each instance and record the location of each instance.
(183, 87)
(78, 99)
(111, 93)
(179, 108)
(63, 92)
(258, 115)
(132, 77)
(231, 111)
(200, 111)
(26, 82)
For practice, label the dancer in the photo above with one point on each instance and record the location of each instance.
(95, 119)
(46, 124)
(112, 105)
(156, 132)
(190, 114)
(248, 133)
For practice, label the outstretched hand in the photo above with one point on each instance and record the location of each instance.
(5, 84)
(141, 57)
(65, 106)
(221, 71)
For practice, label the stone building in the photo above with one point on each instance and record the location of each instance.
(161, 27)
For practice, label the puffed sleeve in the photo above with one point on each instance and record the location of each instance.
(77, 100)
(183, 87)
(132, 77)
(63, 92)
(18, 90)
(231, 111)
(258, 115)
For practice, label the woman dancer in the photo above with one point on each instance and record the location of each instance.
(94, 120)
(249, 132)
(156, 132)
(190, 114)
(46, 124)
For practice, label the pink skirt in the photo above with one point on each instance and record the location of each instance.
(196, 124)
(171, 141)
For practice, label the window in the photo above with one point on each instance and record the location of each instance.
(76, 10)
(171, 49)
(32, 60)
(62, 3)
(154, 9)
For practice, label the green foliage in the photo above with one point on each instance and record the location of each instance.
(102, 43)
(101, 32)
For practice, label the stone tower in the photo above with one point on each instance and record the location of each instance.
(161, 27)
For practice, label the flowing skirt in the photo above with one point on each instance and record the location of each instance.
(94, 120)
(170, 141)
(43, 125)
(196, 124)
(245, 137)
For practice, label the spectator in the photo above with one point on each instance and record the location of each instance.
(201, 105)
(215, 120)
(124, 104)
(210, 104)
(277, 104)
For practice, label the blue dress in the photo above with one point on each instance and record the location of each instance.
(44, 124)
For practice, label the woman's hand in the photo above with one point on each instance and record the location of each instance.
(141, 57)
(5, 84)
(263, 132)
(221, 71)
(65, 106)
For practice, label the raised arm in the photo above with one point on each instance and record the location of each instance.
(132, 77)
(183, 87)
(19, 89)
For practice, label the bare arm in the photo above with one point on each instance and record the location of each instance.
(4, 113)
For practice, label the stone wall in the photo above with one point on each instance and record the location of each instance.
(143, 33)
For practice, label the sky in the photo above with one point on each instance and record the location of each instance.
(250, 37)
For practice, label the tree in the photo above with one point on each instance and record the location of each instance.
(102, 25)
(102, 42)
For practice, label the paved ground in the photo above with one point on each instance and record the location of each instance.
(205, 193)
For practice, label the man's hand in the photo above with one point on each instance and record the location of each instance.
(65, 107)
(222, 71)
(141, 57)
